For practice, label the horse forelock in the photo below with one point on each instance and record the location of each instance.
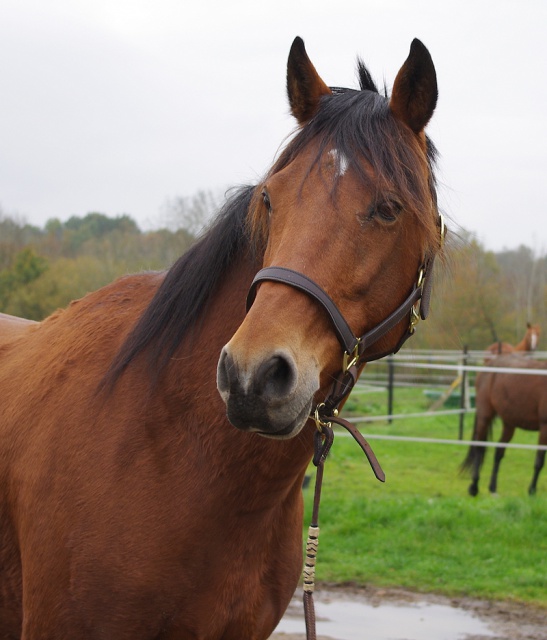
(366, 81)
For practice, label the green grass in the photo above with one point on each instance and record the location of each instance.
(421, 529)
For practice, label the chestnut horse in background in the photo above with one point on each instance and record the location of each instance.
(130, 507)
(528, 343)
(520, 400)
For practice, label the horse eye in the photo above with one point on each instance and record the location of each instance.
(388, 211)
(266, 200)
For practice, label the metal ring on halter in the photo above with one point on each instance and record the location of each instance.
(319, 422)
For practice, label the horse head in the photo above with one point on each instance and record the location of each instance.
(533, 331)
(351, 206)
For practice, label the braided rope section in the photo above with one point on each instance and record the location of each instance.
(311, 554)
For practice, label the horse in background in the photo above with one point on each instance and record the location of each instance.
(528, 343)
(520, 400)
(11, 326)
(130, 506)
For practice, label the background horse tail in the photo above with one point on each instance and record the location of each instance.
(475, 453)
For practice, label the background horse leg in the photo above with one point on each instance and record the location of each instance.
(540, 460)
(506, 436)
(477, 460)
(538, 466)
(475, 457)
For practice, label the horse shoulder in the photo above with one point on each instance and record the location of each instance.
(57, 361)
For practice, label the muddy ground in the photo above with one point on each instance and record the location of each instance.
(509, 620)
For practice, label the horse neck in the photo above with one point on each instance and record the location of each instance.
(527, 343)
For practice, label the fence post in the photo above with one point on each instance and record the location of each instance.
(390, 376)
(463, 391)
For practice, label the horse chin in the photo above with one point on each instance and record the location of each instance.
(273, 428)
(292, 429)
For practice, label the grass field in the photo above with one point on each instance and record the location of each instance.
(421, 529)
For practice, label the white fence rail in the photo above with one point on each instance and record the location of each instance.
(435, 361)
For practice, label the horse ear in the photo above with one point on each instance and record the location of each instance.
(414, 94)
(304, 86)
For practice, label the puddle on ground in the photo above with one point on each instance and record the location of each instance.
(351, 620)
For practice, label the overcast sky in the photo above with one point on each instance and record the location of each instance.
(118, 106)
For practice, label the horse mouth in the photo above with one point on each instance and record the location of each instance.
(293, 429)
(268, 422)
(272, 398)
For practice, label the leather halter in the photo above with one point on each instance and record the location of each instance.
(357, 351)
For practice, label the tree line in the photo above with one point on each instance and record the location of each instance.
(479, 296)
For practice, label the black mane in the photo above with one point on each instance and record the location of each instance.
(360, 125)
(187, 287)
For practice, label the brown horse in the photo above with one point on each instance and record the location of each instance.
(130, 508)
(520, 400)
(528, 343)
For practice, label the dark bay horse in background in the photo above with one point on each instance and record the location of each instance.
(11, 326)
(528, 343)
(130, 507)
(520, 401)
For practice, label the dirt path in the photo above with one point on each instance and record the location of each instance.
(508, 620)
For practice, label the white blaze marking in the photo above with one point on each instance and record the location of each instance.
(340, 160)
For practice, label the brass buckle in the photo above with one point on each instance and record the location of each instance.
(421, 277)
(444, 228)
(346, 362)
(414, 317)
(415, 309)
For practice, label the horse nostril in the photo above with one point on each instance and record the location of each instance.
(276, 378)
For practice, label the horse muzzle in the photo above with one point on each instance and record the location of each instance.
(267, 395)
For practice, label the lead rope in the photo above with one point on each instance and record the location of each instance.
(323, 439)
(322, 442)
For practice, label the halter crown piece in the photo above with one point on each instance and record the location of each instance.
(357, 351)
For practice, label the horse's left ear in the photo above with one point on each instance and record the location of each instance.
(414, 94)
(304, 86)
